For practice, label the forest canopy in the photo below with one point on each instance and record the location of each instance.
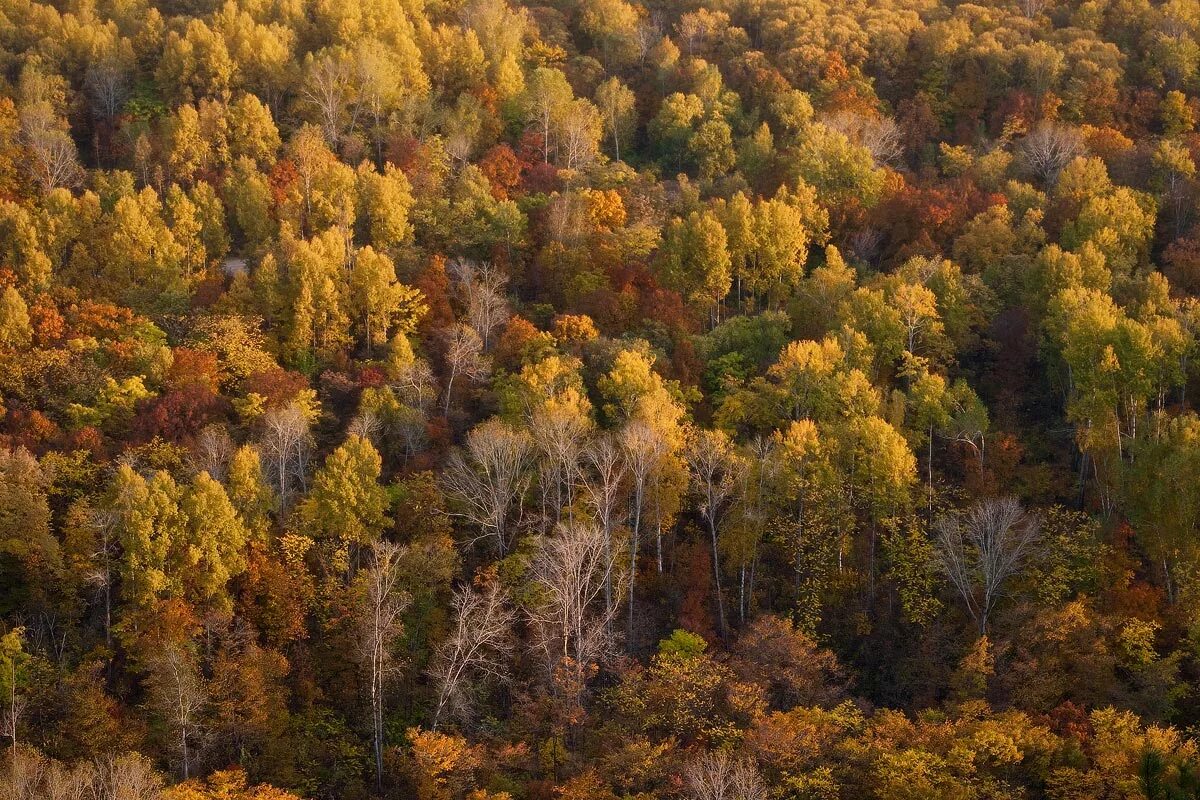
(599, 400)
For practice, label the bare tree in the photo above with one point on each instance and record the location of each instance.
(478, 648)
(126, 777)
(366, 425)
(719, 776)
(559, 434)
(488, 478)
(464, 356)
(53, 160)
(107, 85)
(981, 549)
(411, 427)
(328, 87)
(212, 451)
(571, 569)
(714, 468)
(1032, 8)
(75, 782)
(103, 522)
(643, 449)
(26, 774)
(14, 709)
(482, 289)
(380, 625)
(763, 471)
(286, 446)
(647, 34)
(36, 777)
(1049, 148)
(417, 385)
(178, 693)
(879, 135)
(603, 482)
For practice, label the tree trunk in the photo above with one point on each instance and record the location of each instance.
(721, 626)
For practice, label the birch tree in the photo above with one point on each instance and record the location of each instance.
(604, 481)
(383, 601)
(714, 467)
(286, 445)
(179, 694)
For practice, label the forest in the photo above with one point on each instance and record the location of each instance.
(599, 400)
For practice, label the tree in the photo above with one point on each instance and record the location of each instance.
(252, 131)
(838, 169)
(488, 478)
(476, 649)
(718, 776)
(694, 259)
(779, 231)
(149, 527)
(982, 549)
(249, 492)
(384, 204)
(672, 127)
(650, 441)
(213, 550)
(346, 501)
(179, 694)
(15, 331)
(14, 673)
(464, 357)
(580, 129)
(25, 517)
(617, 105)
(714, 467)
(773, 654)
(571, 569)
(711, 147)
(286, 444)
(547, 96)
(21, 246)
(383, 603)
(444, 764)
(918, 310)
(318, 320)
(382, 303)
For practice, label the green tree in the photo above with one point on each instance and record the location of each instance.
(15, 330)
(214, 542)
(249, 491)
(381, 303)
(694, 259)
(618, 109)
(346, 501)
(149, 526)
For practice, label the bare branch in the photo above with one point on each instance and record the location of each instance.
(981, 549)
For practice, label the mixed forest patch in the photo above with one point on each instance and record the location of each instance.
(599, 400)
